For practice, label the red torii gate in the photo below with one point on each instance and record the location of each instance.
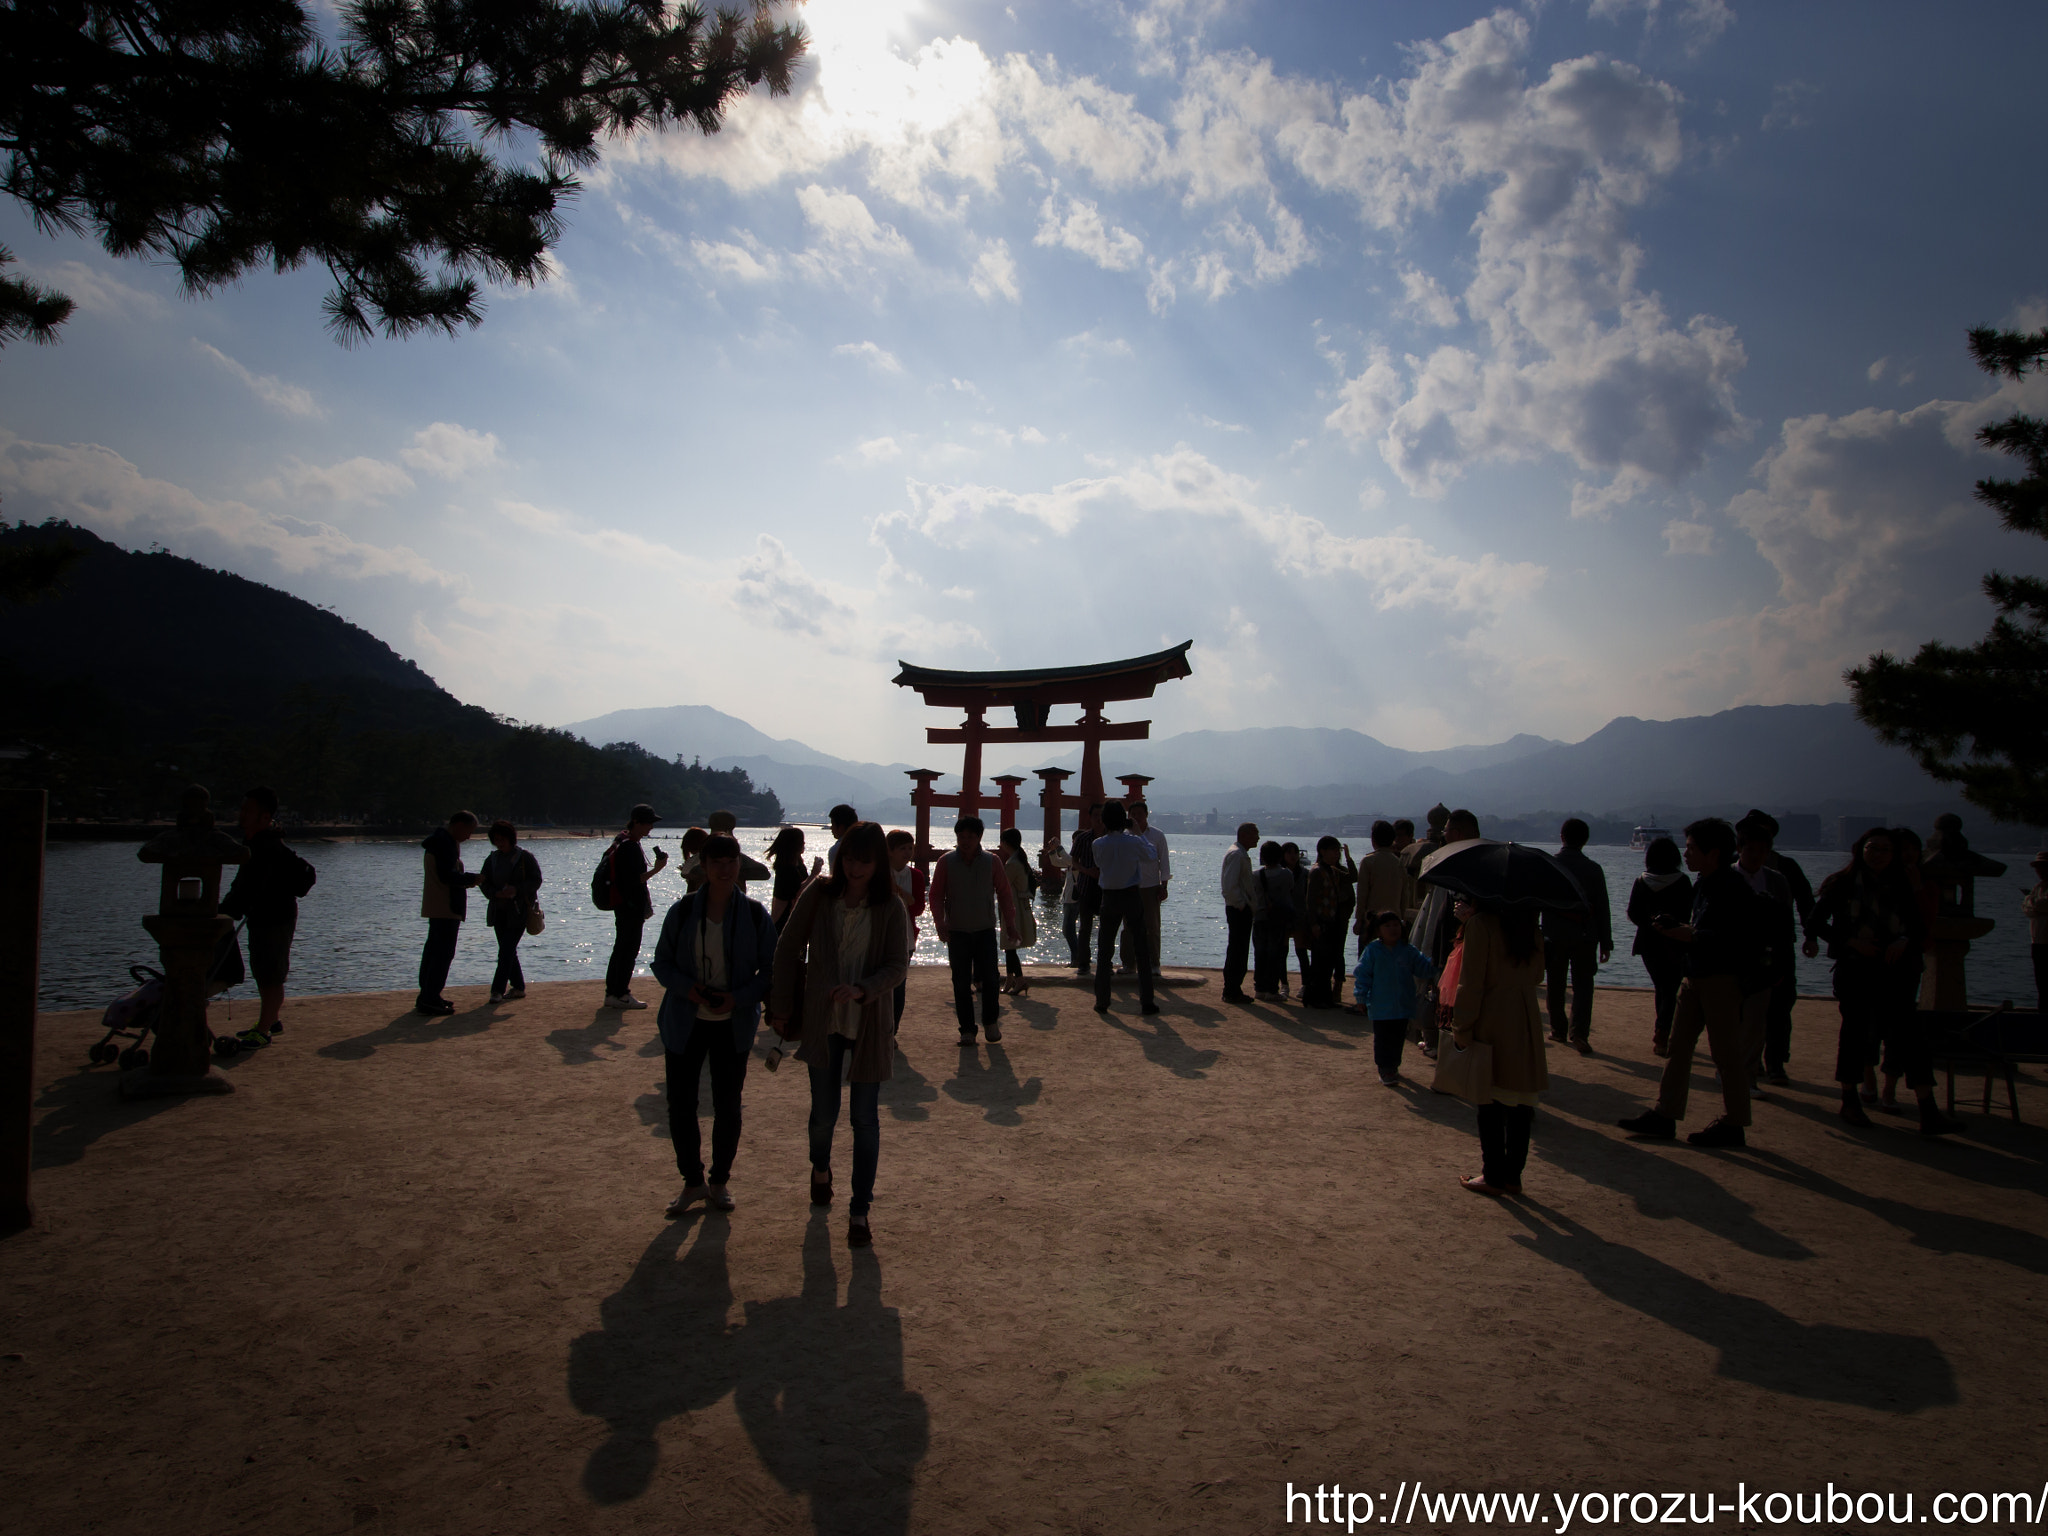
(1032, 694)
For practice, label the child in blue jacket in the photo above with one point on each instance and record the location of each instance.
(1385, 981)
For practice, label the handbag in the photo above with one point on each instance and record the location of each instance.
(1466, 1074)
(536, 920)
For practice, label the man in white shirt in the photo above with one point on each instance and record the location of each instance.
(1240, 905)
(1152, 881)
(1125, 865)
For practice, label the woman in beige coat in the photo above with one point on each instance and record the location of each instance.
(1497, 1005)
(843, 950)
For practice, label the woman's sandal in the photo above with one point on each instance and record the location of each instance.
(821, 1189)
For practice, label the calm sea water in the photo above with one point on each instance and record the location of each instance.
(360, 930)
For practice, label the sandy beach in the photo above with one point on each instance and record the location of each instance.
(1130, 1275)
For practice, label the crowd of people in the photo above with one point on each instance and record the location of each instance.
(1718, 926)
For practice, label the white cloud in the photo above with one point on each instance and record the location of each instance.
(1876, 370)
(1398, 569)
(747, 263)
(1081, 228)
(1705, 20)
(273, 391)
(1789, 101)
(1682, 537)
(96, 292)
(771, 584)
(449, 452)
(1033, 436)
(1095, 344)
(995, 272)
(352, 480)
(879, 450)
(1859, 516)
(95, 487)
(1426, 298)
(1576, 356)
(878, 358)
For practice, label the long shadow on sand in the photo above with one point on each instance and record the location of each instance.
(78, 1110)
(411, 1028)
(994, 1088)
(1821, 1362)
(1993, 1151)
(578, 1047)
(1163, 1046)
(907, 1091)
(1664, 1186)
(1936, 1231)
(1297, 1026)
(819, 1387)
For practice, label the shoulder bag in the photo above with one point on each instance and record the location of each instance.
(1466, 1074)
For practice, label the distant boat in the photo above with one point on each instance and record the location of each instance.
(1646, 835)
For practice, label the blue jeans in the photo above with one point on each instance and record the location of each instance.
(866, 1116)
(1077, 927)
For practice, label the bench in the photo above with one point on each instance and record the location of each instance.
(1993, 1041)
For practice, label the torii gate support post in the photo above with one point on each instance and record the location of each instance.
(1007, 805)
(23, 813)
(975, 728)
(921, 797)
(1051, 800)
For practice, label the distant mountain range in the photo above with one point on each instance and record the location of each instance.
(1787, 757)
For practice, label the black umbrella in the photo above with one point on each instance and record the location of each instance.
(1512, 874)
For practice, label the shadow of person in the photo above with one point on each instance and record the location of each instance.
(652, 1108)
(1293, 1027)
(823, 1398)
(1164, 1047)
(1202, 1015)
(1996, 1152)
(907, 1091)
(1664, 1188)
(663, 1347)
(78, 1110)
(1821, 1362)
(579, 1046)
(1039, 1016)
(994, 1089)
(1936, 1231)
(411, 1028)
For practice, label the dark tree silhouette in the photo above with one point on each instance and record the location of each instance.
(1977, 715)
(430, 148)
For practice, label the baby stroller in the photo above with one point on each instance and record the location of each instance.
(131, 1017)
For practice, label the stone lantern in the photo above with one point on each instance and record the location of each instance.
(188, 928)
(1952, 867)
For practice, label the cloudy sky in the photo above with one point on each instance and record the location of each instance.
(1442, 371)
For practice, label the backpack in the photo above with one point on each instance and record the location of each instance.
(601, 893)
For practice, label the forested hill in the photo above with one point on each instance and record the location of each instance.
(145, 672)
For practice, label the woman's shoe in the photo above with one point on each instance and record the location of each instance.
(858, 1233)
(821, 1187)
